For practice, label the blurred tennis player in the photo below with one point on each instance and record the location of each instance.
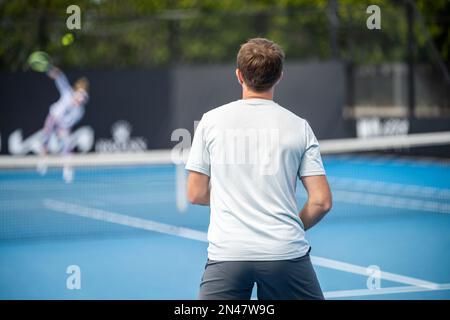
(62, 116)
(244, 162)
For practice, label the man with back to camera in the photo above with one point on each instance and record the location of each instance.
(244, 162)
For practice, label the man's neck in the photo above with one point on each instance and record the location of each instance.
(248, 94)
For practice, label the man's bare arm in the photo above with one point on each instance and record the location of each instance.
(198, 188)
(319, 200)
(53, 72)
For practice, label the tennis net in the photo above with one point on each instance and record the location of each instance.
(143, 194)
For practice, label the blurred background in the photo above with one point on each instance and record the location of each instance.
(158, 65)
(378, 100)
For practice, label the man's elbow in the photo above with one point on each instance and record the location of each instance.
(193, 198)
(196, 197)
(325, 204)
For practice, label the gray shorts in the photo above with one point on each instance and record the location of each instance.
(275, 280)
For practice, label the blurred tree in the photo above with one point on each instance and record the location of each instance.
(138, 33)
(436, 15)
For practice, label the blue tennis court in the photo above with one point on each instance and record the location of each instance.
(387, 236)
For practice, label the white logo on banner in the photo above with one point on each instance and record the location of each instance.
(375, 127)
(121, 140)
(82, 139)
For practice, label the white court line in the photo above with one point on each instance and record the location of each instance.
(188, 233)
(125, 220)
(381, 291)
(343, 266)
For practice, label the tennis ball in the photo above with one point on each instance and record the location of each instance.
(67, 39)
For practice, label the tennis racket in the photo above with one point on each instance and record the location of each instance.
(39, 61)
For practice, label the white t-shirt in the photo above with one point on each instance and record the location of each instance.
(65, 111)
(254, 150)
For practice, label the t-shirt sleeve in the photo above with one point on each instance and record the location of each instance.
(311, 163)
(199, 158)
(62, 84)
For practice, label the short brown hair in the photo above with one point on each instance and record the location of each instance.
(82, 83)
(261, 63)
